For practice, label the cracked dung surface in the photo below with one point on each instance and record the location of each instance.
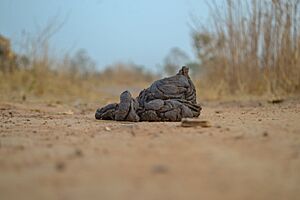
(168, 99)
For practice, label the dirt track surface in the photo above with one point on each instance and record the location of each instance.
(57, 151)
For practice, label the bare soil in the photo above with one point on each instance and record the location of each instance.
(59, 151)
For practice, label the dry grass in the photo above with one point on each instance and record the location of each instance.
(54, 85)
(250, 48)
(37, 74)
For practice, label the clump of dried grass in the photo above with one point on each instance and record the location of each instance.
(250, 47)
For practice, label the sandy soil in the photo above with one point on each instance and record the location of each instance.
(59, 151)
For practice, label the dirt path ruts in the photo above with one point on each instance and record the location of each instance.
(57, 151)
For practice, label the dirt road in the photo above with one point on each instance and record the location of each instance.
(58, 151)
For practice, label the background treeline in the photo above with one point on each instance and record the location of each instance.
(248, 48)
(35, 72)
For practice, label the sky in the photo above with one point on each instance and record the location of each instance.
(111, 31)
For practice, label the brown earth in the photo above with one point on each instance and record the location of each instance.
(59, 151)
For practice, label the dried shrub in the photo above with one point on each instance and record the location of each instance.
(250, 47)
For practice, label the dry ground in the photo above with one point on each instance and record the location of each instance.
(59, 151)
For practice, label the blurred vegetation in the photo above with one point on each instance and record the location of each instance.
(174, 59)
(39, 75)
(249, 48)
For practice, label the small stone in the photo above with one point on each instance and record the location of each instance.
(238, 137)
(23, 97)
(78, 152)
(107, 128)
(60, 166)
(265, 134)
(188, 122)
(275, 101)
(159, 169)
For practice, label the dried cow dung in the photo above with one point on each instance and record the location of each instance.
(168, 99)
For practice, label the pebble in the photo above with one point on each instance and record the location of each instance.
(159, 169)
(265, 134)
(188, 122)
(78, 152)
(60, 166)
